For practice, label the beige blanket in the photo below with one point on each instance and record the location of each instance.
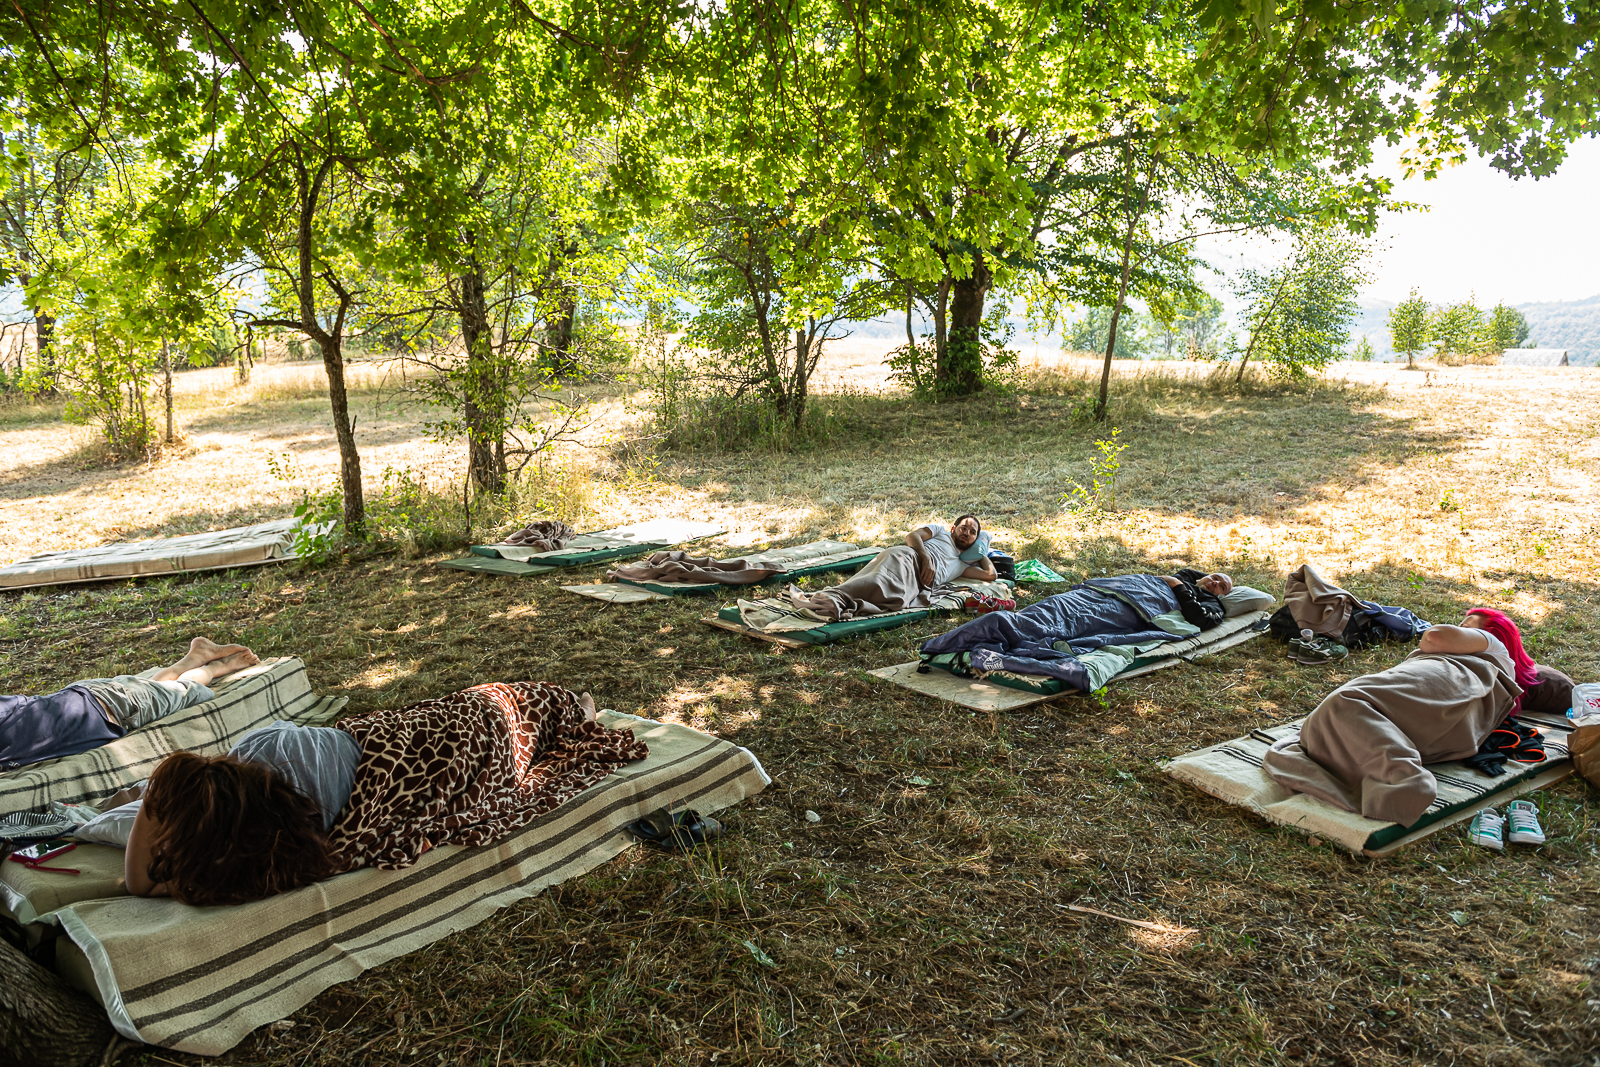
(1364, 747)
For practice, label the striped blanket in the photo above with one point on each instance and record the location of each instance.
(255, 696)
(266, 542)
(199, 979)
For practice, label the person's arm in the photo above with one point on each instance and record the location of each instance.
(924, 564)
(1453, 640)
(982, 571)
(136, 861)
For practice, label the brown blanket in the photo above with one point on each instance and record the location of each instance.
(548, 535)
(469, 769)
(888, 583)
(1316, 603)
(679, 566)
(1364, 747)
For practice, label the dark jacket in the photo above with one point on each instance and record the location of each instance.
(1199, 607)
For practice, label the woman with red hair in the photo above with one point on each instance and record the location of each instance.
(1365, 746)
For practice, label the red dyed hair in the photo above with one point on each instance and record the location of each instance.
(1500, 624)
(231, 831)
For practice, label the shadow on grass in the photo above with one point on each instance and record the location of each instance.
(1194, 446)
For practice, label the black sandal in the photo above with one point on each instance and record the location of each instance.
(675, 833)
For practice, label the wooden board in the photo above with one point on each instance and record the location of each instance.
(745, 631)
(968, 692)
(485, 565)
(1493, 800)
(614, 592)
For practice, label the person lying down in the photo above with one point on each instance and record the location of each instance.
(96, 711)
(1365, 746)
(905, 576)
(1126, 610)
(291, 805)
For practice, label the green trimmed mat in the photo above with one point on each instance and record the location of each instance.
(728, 619)
(1234, 772)
(481, 565)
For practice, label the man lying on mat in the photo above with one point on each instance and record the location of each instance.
(903, 576)
(1128, 609)
(96, 711)
(290, 805)
(1364, 747)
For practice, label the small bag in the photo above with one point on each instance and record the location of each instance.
(1585, 700)
(1004, 566)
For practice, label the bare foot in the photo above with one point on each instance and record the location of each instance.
(207, 673)
(586, 702)
(210, 650)
(202, 650)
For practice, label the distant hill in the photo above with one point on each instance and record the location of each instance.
(1573, 325)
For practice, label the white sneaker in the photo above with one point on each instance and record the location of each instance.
(1487, 829)
(1523, 815)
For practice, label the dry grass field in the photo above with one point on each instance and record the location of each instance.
(925, 923)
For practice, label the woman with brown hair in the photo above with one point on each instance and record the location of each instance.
(291, 805)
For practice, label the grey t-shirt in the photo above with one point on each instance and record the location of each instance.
(320, 761)
(137, 701)
(949, 561)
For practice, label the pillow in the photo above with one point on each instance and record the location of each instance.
(1243, 600)
(111, 827)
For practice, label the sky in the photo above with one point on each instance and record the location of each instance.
(1513, 241)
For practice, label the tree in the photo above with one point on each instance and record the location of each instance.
(1298, 313)
(1363, 351)
(1508, 328)
(1458, 332)
(1092, 332)
(1191, 332)
(1410, 327)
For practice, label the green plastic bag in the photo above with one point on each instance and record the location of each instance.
(1031, 570)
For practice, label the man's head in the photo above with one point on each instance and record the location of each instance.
(964, 531)
(1217, 584)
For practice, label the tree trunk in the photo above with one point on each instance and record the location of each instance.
(166, 366)
(558, 329)
(43, 1021)
(44, 341)
(961, 373)
(941, 332)
(1122, 293)
(802, 376)
(344, 430)
(484, 410)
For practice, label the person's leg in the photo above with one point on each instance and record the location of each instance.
(207, 672)
(202, 650)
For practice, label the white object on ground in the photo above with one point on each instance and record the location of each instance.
(1585, 700)
(1523, 815)
(1487, 829)
(812, 816)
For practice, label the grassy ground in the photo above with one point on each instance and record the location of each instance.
(929, 923)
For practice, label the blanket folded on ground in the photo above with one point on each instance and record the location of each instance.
(239, 547)
(251, 698)
(547, 535)
(778, 615)
(199, 979)
(607, 544)
(467, 769)
(678, 567)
